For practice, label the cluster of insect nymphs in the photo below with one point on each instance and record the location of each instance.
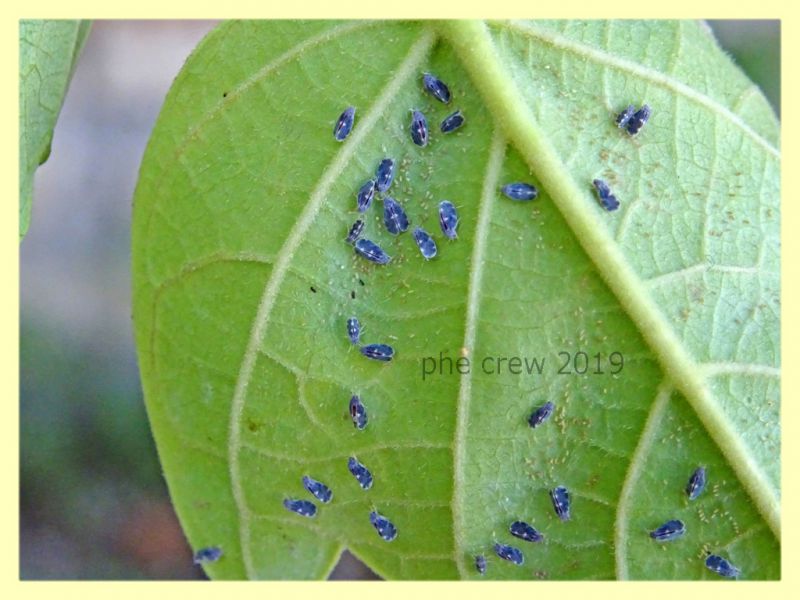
(305, 508)
(560, 499)
(675, 528)
(394, 215)
(396, 222)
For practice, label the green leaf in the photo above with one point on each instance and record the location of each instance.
(243, 283)
(48, 53)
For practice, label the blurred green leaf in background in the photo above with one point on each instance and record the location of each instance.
(48, 53)
(755, 46)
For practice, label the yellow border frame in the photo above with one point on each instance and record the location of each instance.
(9, 316)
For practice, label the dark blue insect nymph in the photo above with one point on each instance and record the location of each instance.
(697, 483)
(525, 532)
(541, 414)
(345, 123)
(317, 489)
(371, 251)
(452, 122)
(625, 116)
(721, 566)
(480, 564)
(605, 197)
(207, 555)
(383, 526)
(419, 128)
(509, 553)
(394, 217)
(360, 472)
(671, 530)
(301, 507)
(353, 330)
(355, 231)
(560, 499)
(358, 412)
(436, 87)
(637, 121)
(365, 195)
(382, 352)
(384, 175)
(448, 219)
(425, 243)
(520, 191)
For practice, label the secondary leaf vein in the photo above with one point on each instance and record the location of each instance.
(495, 161)
(417, 53)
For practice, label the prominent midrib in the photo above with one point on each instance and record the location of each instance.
(495, 161)
(409, 66)
(475, 47)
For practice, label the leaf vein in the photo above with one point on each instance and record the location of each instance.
(494, 163)
(649, 432)
(666, 278)
(416, 54)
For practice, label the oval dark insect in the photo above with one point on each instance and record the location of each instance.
(448, 219)
(638, 120)
(509, 553)
(524, 531)
(371, 251)
(452, 122)
(560, 498)
(520, 191)
(697, 483)
(207, 555)
(480, 564)
(317, 489)
(360, 472)
(419, 129)
(304, 508)
(345, 124)
(625, 116)
(425, 243)
(358, 412)
(604, 196)
(384, 175)
(720, 566)
(383, 526)
(365, 195)
(353, 330)
(394, 217)
(382, 352)
(671, 530)
(355, 231)
(436, 87)
(540, 415)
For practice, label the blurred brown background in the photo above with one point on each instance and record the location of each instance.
(93, 504)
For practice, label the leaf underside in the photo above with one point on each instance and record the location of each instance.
(48, 53)
(242, 207)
